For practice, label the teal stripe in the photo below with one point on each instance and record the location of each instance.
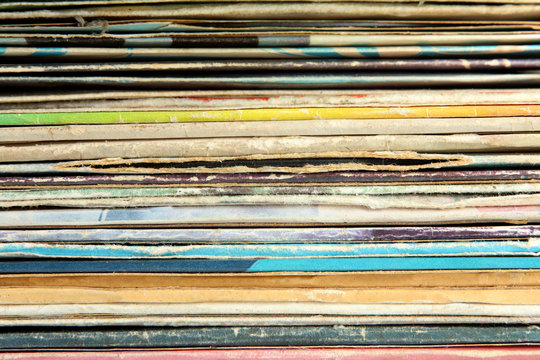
(50, 52)
(380, 264)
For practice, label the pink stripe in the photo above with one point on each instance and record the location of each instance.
(452, 353)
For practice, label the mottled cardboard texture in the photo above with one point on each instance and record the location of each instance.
(380, 191)
(266, 215)
(106, 101)
(18, 5)
(372, 202)
(269, 308)
(193, 152)
(427, 279)
(268, 81)
(290, 10)
(240, 99)
(189, 25)
(271, 336)
(261, 320)
(376, 300)
(30, 134)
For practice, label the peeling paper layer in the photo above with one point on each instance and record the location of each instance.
(399, 202)
(307, 165)
(530, 247)
(496, 177)
(201, 150)
(271, 235)
(289, 163)
(380, 191)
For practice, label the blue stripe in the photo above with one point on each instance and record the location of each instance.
(148, 42)
(269, 265)
(123, 266)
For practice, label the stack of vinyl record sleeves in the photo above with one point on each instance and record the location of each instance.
(262, 180)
